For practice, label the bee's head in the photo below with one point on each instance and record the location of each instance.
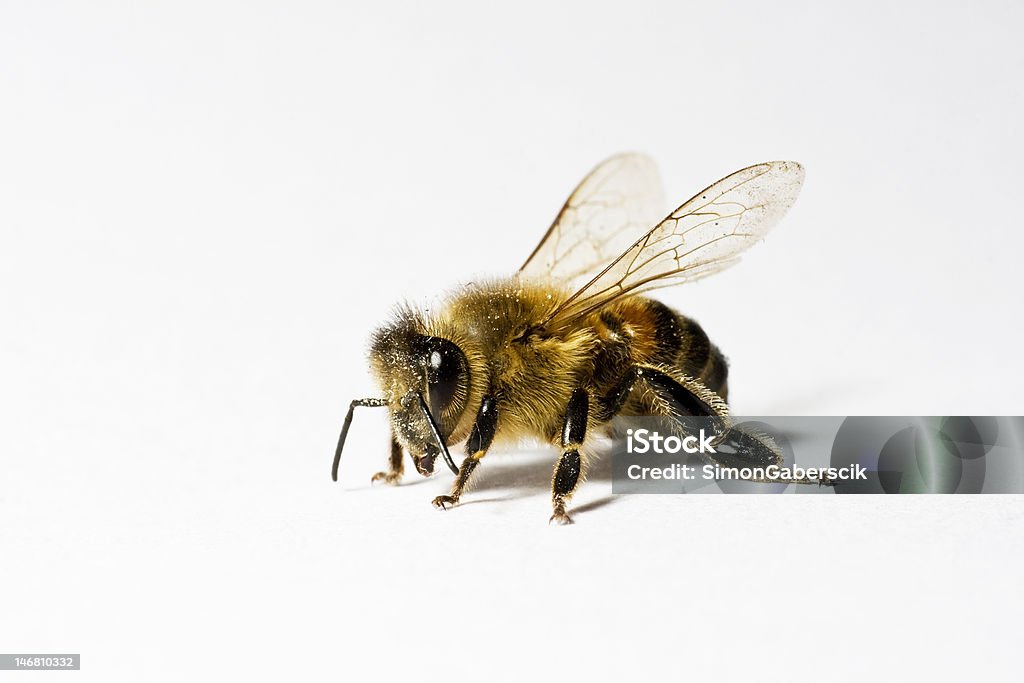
(415, 368)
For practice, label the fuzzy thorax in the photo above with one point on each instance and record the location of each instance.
(529, 370)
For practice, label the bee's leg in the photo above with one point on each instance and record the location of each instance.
(736, 447)
(693, 399)
(465, 470)
(476, 448)
(567, 472)
(393, 475)
(682, 400)
(671, 398)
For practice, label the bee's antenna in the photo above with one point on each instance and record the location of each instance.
(437, 435)
(364, 402)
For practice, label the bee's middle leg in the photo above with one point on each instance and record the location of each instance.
(476, 448)
(570, 465)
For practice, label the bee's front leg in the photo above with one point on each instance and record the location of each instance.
(396, 466)
(476, 448)
(570, 465)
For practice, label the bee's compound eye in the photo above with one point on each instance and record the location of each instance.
(446, 367)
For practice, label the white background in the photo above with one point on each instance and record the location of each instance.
(206, 208)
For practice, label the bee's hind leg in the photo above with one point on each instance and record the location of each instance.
(393, 475)
(691, 398)
(679, 399)
(570, 465)
(672, 397)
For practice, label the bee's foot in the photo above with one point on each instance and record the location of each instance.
(389, 478)
(444, 502)
(560, 518)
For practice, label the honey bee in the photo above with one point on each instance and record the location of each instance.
(558, 349)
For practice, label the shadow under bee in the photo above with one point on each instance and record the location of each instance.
(533, 474)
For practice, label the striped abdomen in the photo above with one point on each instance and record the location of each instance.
(638, 330)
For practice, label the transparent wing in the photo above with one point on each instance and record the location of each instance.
(616, 203)
(703, 236)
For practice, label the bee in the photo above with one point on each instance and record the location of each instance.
(568, 342)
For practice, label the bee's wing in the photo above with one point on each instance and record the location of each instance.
(703, 236)
(616, 203)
